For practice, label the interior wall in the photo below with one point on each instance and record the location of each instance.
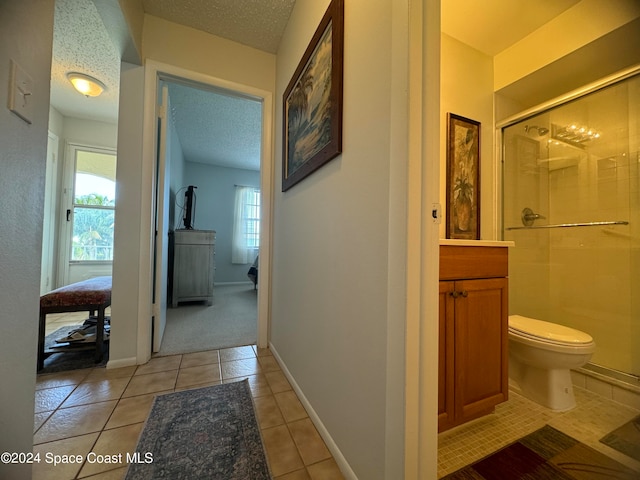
(26, 34)
(580, 25)
(127, 239)
(473, 100)
(595, 38)
(201, 52)
(215, 211)
(331, 244)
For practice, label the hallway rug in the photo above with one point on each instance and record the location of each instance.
(209, 432)
(625, 439)
(546, 454)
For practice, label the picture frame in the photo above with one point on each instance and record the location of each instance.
(463, 178)
(312, 102)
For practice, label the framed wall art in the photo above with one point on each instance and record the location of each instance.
(463, 178)
(312, 102)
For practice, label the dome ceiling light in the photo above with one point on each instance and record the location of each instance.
(86, 85)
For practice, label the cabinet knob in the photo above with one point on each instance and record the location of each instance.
(456, 294)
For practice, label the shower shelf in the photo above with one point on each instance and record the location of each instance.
(563, 225)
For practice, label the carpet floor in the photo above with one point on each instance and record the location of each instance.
(626, 439)
(230, 322)
(546, 454)
(209, 432)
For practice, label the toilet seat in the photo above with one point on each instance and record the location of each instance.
(551, 333)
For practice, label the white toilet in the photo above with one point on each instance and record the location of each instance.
(541, 355)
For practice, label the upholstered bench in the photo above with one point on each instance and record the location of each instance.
(93, 295)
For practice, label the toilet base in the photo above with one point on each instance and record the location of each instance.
(551, 388)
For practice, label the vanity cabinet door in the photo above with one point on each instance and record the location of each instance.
(473, 361)
(481, 355)
(446, 376)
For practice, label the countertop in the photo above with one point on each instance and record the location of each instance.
(476, 243)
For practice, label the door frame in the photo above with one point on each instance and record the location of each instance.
(50, 224)
(154, 72)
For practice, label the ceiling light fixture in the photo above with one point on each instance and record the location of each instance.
(86, 85)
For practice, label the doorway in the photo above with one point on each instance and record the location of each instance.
(184, 168)
(88, 204)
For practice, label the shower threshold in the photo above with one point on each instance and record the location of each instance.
(615, 377)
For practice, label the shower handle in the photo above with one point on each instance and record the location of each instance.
(528, 217)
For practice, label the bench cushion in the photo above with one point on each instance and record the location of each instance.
(95, 291)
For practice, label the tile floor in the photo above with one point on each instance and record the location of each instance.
(57, 320)
(593, 417)
(103, 411)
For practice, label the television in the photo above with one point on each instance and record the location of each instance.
(189, 207)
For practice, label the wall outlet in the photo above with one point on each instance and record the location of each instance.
(20, 92)
(436, 213)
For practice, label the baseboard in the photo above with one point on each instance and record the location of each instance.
(122, 362)
(221, 284)
(344, 466)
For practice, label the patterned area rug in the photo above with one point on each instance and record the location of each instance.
(626, 439)
(545, 454)
(209, 433)
(65, 361)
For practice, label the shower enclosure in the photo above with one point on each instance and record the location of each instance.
(571, 198)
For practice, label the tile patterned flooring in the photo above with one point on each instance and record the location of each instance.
(592, 418)
(103, 411)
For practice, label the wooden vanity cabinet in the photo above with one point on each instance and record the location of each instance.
(473, 368)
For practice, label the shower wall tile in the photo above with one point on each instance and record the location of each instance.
(626, 397)
(603, 389)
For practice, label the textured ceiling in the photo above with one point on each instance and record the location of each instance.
(82, 44)
(216, 128)
(258, 24)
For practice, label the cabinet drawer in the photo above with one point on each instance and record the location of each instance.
(457, 262)
(195, 237)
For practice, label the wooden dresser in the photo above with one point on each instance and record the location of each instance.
(193, 266)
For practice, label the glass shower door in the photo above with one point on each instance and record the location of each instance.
(570, 203)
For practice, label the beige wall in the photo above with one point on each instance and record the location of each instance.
(26, 33)
(474, 100)
(331, 321)
(578, 26)
(207, 54)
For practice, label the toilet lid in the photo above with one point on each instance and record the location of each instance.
(549, 331)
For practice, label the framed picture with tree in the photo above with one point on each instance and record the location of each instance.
(312, 102)
(463, 178)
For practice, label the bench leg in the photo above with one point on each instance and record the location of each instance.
(41, 332)
(99, 334)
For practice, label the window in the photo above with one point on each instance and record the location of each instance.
(93, 207)
(246, 227)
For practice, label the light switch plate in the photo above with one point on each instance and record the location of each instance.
(20, 92)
